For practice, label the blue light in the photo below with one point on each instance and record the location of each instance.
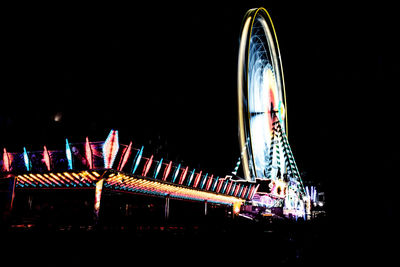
(215, 183)
(68, 154)
(240, 190)
(26, 160)
(137, 159)
(248, 191)
(224, 186)
(176, 173)
(204, 181)
(158, 168)
(191, 177)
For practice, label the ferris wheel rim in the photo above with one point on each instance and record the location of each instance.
(249, 164)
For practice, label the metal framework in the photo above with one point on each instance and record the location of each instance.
(266, 156)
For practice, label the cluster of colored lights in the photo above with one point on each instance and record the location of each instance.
(125, 182)
(57, 180)
(141, 177)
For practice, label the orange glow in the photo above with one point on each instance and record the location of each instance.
(122, 181)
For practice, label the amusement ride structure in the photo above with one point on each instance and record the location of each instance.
(270, 176)
(266, 157)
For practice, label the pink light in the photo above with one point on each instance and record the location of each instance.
(244, 191)
(167, 171)
(6, 161)
(183, 175)
(147, 166)
(209, 182)
(197, 179)
(110, 149)
(219, 186)
(229, 187)
(46, 158)
(126, 153)
(236, 190)
(89, 153)
(253, 191)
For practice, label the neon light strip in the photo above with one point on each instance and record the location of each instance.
(254, 191)
(6, 160)
(26, 160)
(125, 155)
(158, 168)
(229, 187)
(89, 153)
(137, 159)
(197, 179)
(183, 175)
(167, 171)
(97, 198)
(191, 177)
(248, 191)
(220, 182)
(209, 182)
(244, 191)
(225, 185)
(68, 154)
(157, 188)
(238, 190)
(176, 173)
(46, 158)
(204, 180)
(215, 183)
(110, 149)
(147, 166)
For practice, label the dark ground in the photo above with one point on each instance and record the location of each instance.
(237, 242)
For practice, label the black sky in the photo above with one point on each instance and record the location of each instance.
(170, 71)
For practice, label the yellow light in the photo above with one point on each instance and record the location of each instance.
(236, 207)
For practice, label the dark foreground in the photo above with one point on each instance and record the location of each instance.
(235, 242)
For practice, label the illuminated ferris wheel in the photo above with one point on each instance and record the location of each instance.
(261, 98)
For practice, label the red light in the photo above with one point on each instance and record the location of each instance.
(229, 188)
(126, 153)
(236, 190)
(89, 153)
(6, 161)
(167, 171)
(244, 191)
(110, 149)
(197, 179)
(219, 186)
(253, 191)
(46, 158)
(147, 166)
(209, 182)
(183, 175)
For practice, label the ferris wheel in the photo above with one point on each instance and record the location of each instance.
(261, 98)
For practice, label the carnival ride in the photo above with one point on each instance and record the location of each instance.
(266, 156)
(270, 175)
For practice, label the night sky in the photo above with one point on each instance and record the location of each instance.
(166, 75)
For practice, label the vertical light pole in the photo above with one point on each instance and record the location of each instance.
(166, 208)
(97, 199)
